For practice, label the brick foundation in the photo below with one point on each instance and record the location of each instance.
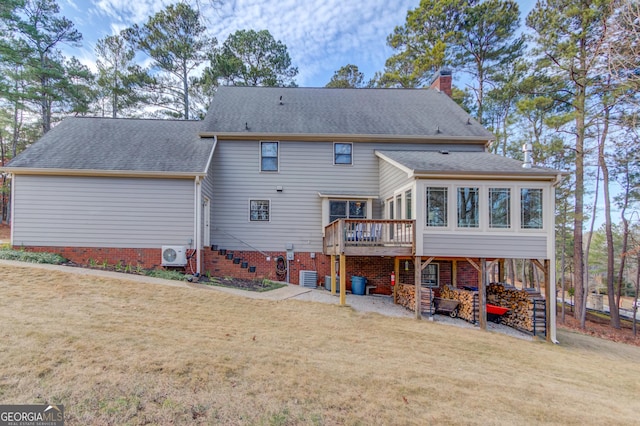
(147, 258)
(376, 270)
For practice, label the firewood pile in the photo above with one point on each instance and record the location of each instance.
(468, 308)
(522, 309)
(406, 296)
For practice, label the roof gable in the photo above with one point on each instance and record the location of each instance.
(328, 111)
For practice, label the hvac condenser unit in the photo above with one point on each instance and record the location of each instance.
(174, 255)
(308, 279)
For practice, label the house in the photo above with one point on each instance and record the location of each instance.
(289, 180)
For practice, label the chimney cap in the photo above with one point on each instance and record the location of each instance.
(441, 72)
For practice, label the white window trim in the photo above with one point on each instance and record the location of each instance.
(249, 209)
(511, 189)
(326, 212)
(481, 216)
(452, 208)
(333, 153)
(260, 157)
(449, 224)
(545, 219)
(437, 265)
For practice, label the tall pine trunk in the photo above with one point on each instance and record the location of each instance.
(613, 308)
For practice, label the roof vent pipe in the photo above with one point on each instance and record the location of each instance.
(527, 148)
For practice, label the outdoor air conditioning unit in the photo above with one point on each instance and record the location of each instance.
(174, 255)
(308, 279)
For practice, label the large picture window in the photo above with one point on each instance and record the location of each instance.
(468, 210)
(531, 208)
(339, 209)
(342, 153)
(259, 210)
(499, 208)
(436, 206)
(269, 156)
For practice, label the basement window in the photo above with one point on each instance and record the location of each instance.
(431, 275)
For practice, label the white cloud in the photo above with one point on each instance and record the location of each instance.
(321, 35)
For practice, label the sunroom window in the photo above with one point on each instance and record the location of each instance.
(499, 208)
(436, 206)
(468, 210)
(531, 208)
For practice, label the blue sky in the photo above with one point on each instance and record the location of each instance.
(321, 35)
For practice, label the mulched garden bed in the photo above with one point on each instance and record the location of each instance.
(258, 285)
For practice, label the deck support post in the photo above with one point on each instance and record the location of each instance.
(454, 273)
(343, 280)
(417, 266)
(482, 294)
(333, 274)
(396, 271)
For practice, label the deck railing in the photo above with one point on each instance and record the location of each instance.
(370, 236)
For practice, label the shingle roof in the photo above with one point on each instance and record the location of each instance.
(106, 144)
(326, 111)
(462, 163)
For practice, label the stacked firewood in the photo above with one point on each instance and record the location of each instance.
(468, 308)
(406, 295)
(521, 306)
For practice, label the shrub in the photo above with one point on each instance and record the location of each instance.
(27, 256)
(166, 274)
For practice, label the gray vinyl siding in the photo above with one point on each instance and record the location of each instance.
(504, 246)
(102, 212)
(391, 179)
(207, 191)
(305, 168)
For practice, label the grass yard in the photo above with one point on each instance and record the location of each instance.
(117, 352)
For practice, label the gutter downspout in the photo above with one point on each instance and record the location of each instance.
(12, 188)
(552, 266)
(198, 223)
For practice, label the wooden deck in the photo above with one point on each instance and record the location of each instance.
(370, 237)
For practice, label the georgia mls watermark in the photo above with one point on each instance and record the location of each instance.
(32, 415)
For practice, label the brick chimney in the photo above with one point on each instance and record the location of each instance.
(441, 81)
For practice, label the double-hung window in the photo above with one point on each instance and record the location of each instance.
(342, 153)
(531, 208)
(268, 156)
(437, 199)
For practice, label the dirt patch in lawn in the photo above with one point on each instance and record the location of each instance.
(242, 284)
